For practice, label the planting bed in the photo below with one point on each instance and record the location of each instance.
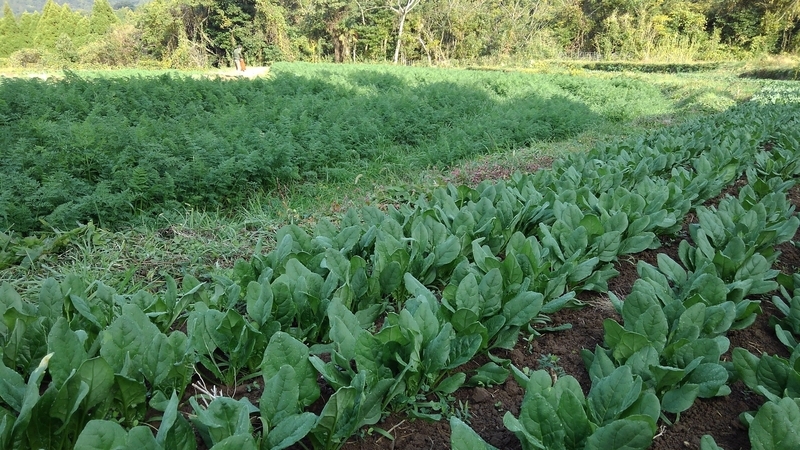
(717, 416)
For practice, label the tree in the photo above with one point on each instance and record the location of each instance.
(49, 26)
(270, 21)
(401, 8)
(11, 38)
(102, 18)
(27, 28)
(75, 25)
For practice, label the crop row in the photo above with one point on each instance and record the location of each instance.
(388, 305)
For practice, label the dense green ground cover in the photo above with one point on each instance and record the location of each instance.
(389, 304)
(107, 149)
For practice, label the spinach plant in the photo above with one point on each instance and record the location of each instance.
(618, 412)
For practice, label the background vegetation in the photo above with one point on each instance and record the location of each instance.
(107, 149)
(201, 33)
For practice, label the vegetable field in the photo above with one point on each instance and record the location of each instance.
(113, 149)
(599, 303)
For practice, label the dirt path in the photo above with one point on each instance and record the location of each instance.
(250, 72)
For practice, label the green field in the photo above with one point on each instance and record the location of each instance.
(343, 223)
(112, 150)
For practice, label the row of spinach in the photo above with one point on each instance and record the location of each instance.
(667, 353)
(387, 305)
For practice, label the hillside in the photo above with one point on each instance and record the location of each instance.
(20, 6)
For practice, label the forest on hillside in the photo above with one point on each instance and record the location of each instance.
(202, 33)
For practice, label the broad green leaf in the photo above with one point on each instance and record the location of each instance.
(259, 301)
(463, 318)
(489, 374)
(666, 376)
(773, 373)
(612, 395)
(573, 416)
(447, 251)
(336, 415)
(491, 290)
(598, 363)
(391, 277)
(529, 441)
(437, 352)
(345, 328)
(51, 300)
(690, 323)
(671, 269)
(69, 398)
(707, 442)
(539, 382)
(463, 349)
(290, 430)
(463, 437)
(511, 270)
(159, 359)
(719, 318)
(623, 343)
(141, 438)
(425, 318)
(480, 254)
(636, 244)
(121, 341)
(542, 421)
(280, 396)
(451, 383)
(337, 263)
(348, 237)
(236, 442)
(468, 296)
(680, 399)
(132, 395)
(224, 417)
(521, 309)
(84, 310)
(592, 224)
(642, 360)
(101, 435)
(776, 426)
(284, 349)
(623, 434)
(168, 420)
(711, 288)
(646, 406)
(12, 387)
(710, 378)
(583, 270)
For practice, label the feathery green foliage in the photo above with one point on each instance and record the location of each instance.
(103, 149)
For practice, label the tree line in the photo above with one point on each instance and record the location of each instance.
(203, 33)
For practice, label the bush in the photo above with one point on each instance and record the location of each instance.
(118, 48)
(27, 57)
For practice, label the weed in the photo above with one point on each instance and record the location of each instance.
(549, 362)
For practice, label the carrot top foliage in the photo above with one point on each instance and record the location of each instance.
(111, 149)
